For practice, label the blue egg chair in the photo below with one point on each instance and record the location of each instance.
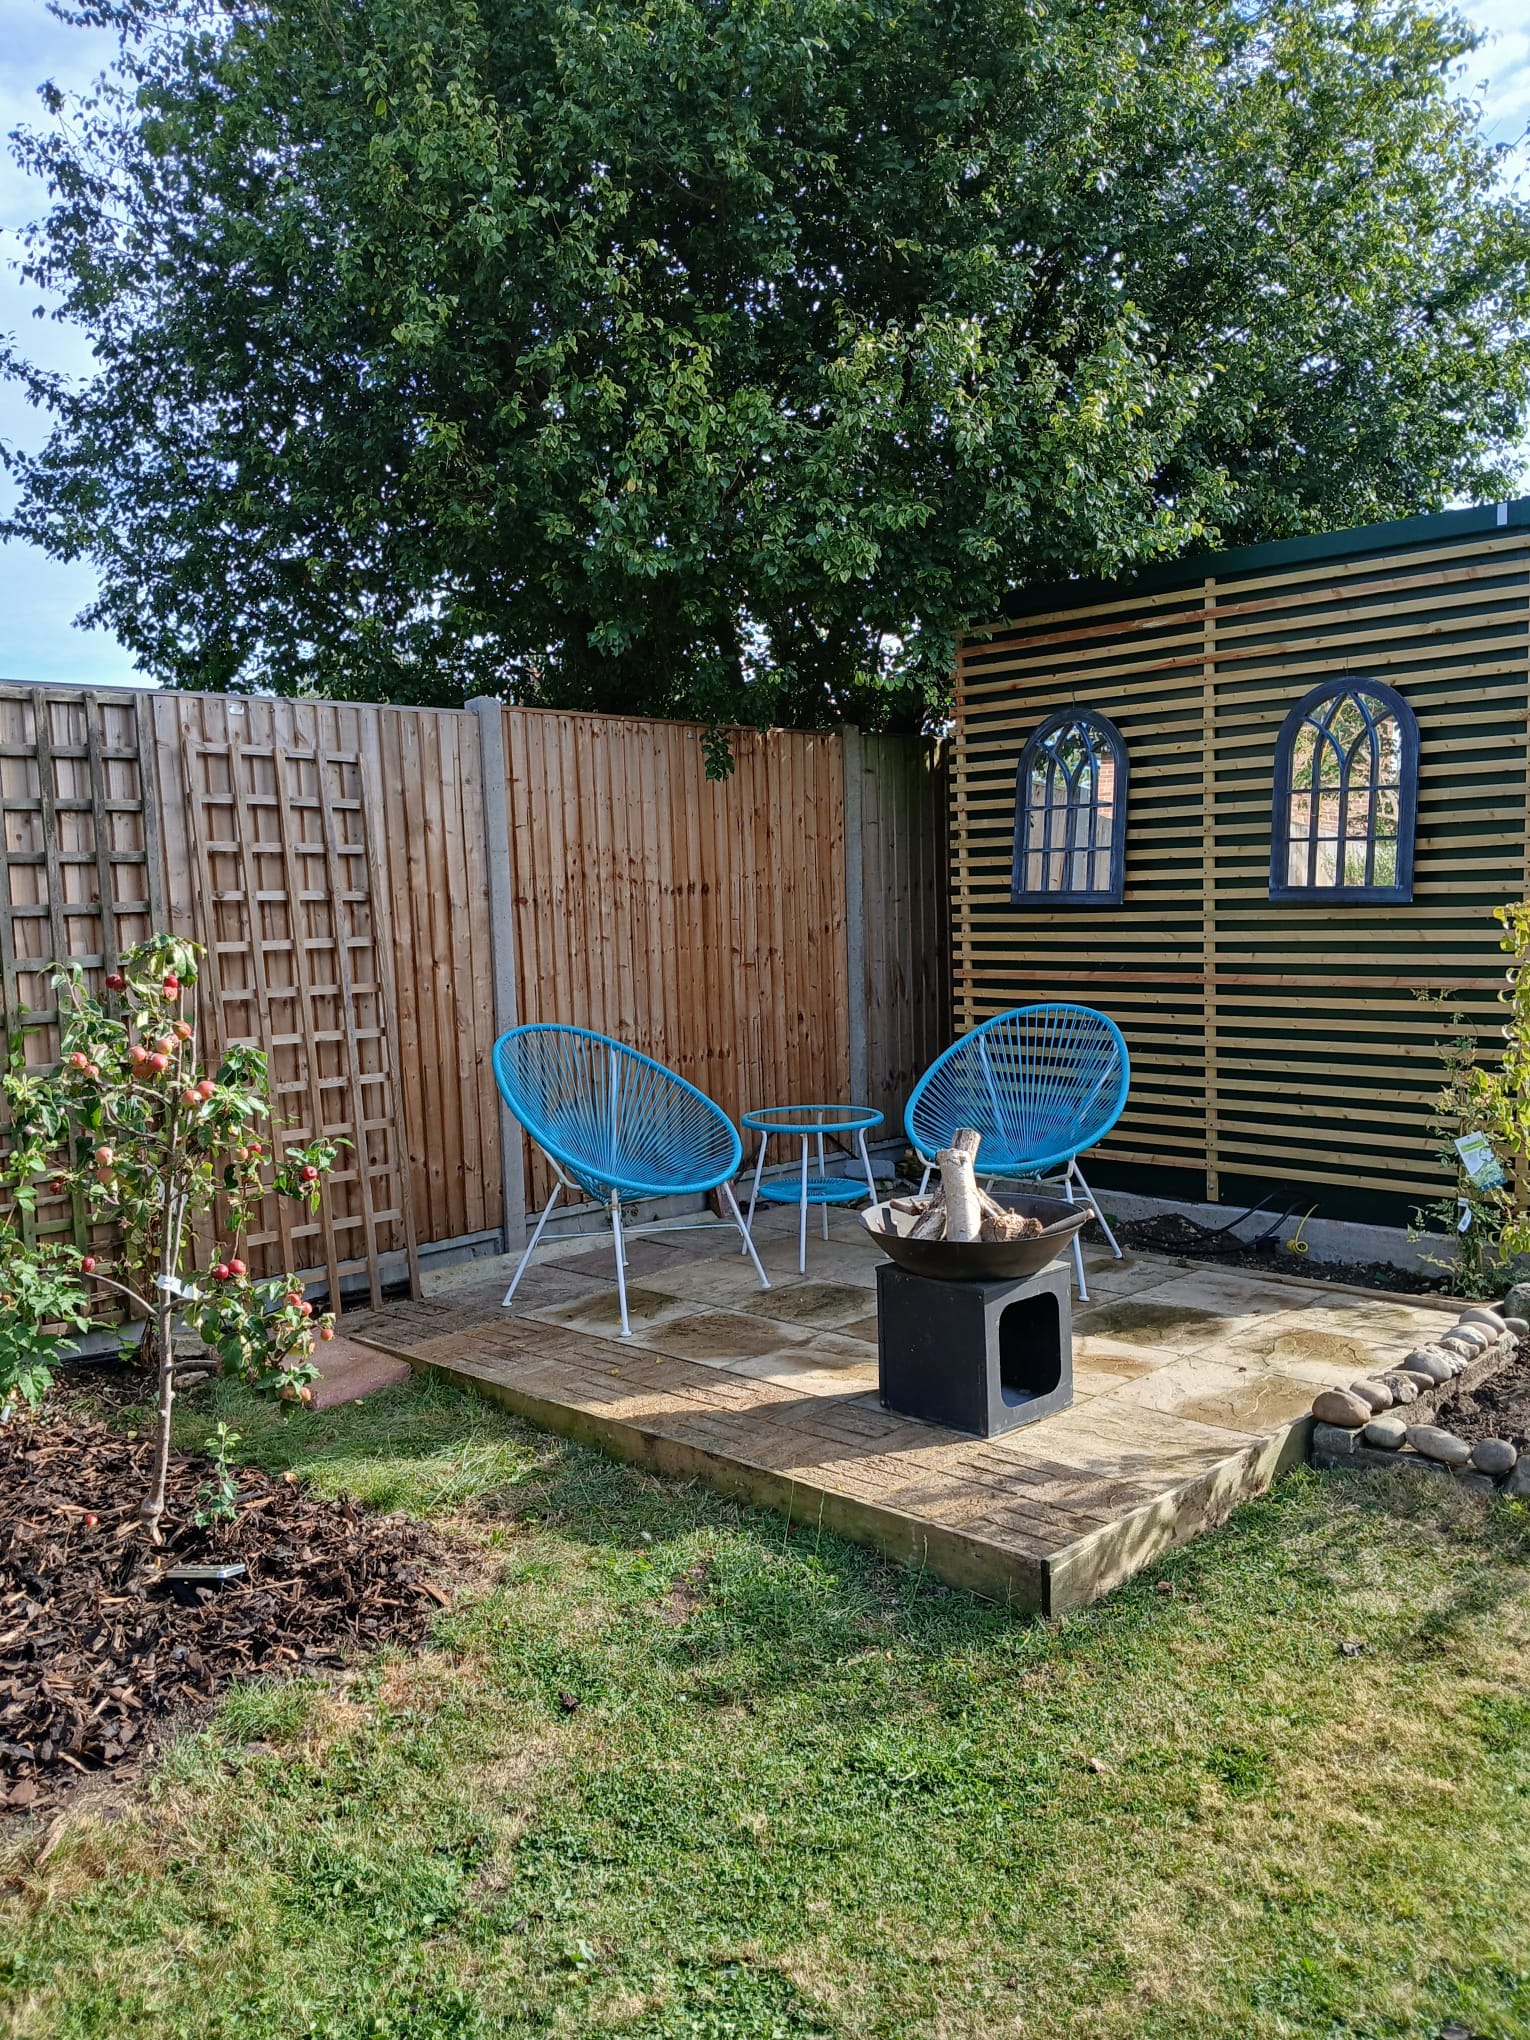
(615, 1124)
(1041, 1084)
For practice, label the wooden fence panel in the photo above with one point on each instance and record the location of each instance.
(1273, 1042)
(701, 920)
(429, 846)
(906, 912)
(422, 792)
(81, 870)
(277, 883)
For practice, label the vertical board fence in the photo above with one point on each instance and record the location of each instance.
(906, 964)
(333, 859)
(702, 920)
(1272, 1041)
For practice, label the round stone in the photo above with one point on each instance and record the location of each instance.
(1338, 1406)
(1431, 1363)
(1376, 1393)
(1517, 1303)
(1467, 1340)
(1404, 1387)
(1443, 1446)
(1493, 1455)
(1490, 1321)
(1387, 1434)
(1517, 1327)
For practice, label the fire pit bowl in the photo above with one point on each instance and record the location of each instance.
(981, 1260)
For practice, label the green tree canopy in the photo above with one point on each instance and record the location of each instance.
(721, 357)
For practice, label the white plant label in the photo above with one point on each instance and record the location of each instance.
(1479, 1161)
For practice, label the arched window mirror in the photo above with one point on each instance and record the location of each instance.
(1346, 795)
(1070, 811)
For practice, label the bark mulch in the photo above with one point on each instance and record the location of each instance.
(1496, 1408)
(94, 1648)
(1176, 1233)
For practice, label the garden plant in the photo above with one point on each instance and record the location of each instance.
(1489, 1097)
(165, 1160)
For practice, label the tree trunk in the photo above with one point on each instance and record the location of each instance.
(152, 1507)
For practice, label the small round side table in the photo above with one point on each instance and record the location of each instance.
(808, 1123)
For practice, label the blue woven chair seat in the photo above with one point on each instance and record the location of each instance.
(1041, 1084)
(614, 1120)
(616, 1124)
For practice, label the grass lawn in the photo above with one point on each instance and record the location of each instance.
(668, 1771)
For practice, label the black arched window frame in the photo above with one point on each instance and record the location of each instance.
(1393, 703)
(1105, 731)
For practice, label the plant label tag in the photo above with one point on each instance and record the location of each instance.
(1482, 1166)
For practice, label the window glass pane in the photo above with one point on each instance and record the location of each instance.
(1343, 801)
(1070, 810)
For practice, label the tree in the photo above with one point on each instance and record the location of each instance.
(170, 1157)
(722, 357)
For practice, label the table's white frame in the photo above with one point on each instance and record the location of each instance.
(792, 1131)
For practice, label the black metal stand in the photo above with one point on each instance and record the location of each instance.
(984, 1357)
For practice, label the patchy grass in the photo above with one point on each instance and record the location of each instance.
(671, 1773)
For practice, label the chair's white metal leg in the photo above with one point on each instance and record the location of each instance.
(1115, 1244)
(802, 1204)
(1078, 1251)
(621, 1260)
(871, 1181)
(924, 1180)
(754, 1191)
(727, 1190)
(515, 1281)
(822, 1171)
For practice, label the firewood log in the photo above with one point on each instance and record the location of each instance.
(964, 1214)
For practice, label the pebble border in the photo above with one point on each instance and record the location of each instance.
(1383, 1419)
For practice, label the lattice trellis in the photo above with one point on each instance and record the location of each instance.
(297, 964)
(81, 867)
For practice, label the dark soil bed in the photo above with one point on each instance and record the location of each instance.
(1173, 1232)
(94, 1648)
(1497, 1408)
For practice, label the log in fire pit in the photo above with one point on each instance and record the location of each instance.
(975, 1319)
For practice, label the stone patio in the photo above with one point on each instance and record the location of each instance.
(1191, 1391)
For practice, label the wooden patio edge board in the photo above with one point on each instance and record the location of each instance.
(1011, 1571)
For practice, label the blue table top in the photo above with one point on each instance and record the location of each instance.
(806, 1119)
(820, 1190)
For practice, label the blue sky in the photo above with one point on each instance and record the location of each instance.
(39, 598)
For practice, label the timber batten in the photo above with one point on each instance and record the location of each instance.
(1274, 1042)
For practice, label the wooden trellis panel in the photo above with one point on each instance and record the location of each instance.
(299, 963)
(80, 874)
(1274, 1043)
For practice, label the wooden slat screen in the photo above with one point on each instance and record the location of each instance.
(1272, 1042)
